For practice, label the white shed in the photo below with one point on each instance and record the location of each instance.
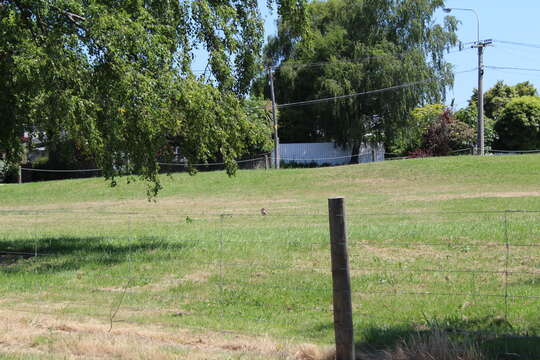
(327, 153)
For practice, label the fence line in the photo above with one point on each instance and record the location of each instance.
(517, 151)
(211, 164)
(60, 171)
(294, 280)
(293, 160)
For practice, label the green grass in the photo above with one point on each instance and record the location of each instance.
(422, 226)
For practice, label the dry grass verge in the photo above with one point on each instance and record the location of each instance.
(50, 336)
(434, 345)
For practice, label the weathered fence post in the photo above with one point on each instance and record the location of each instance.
(343, 324)
(265, 162)
(373, 157)
(19, 174)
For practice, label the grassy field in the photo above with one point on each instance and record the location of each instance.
(199, 273)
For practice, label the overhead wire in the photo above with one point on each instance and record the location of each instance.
(516, 51)
(529, 45)
(369, 92)
(511, 68)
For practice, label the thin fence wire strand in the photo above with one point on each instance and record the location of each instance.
(222, 303)
(292, 160)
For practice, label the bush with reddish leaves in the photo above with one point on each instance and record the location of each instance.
(445, 135)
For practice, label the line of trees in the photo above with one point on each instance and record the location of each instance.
(512, 122)
(512, 116)
(115, 78)
(357, 46)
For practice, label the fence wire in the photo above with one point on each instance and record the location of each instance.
(261, 161)
(270, 274)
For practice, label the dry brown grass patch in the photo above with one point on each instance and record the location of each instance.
(313, 352)
(67, 338)
(393, 254)
(435, 345)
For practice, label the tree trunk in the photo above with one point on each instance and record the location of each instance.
(355, 153)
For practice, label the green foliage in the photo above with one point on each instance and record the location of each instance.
(67, 154)
(410, 137)
(469, 116)
(461, 136)
(499, 95)
(116, 77)
(356, 46)
(495, 100)
(446, 134)
(518, 127)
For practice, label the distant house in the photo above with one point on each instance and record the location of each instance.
(327, 153)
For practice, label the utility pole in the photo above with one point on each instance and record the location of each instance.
(480, 126)
(480, 45)
(274, 118)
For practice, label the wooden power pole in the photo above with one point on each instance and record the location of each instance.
(274, 118)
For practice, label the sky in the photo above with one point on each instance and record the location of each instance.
(500, 20)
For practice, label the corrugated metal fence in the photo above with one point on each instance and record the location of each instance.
(327, 153)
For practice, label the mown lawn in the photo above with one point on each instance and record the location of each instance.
(430, 242)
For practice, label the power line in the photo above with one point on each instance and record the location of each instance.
(511, 68)
(518, 52)
(391, 88)
(535, 46)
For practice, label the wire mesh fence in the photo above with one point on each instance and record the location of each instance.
(261, 161)
(270, 274)
(30, 173)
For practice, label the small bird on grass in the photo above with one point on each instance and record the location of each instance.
(264, 212)
(189, 220)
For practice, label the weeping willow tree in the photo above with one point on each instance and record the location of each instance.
(356, 46)
(115, 77)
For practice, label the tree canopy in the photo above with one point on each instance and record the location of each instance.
(433, 130)
(116, 77)
(411, 137)
(495, 101)
(518, 125)
(358, 46)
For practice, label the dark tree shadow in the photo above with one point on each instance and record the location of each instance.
(495, 338)
(49, 255)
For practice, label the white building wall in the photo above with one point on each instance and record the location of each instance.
(326, 153)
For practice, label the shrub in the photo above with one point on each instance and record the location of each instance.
(518, 127)
(446, 134)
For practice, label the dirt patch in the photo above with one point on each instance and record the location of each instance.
(393, 254)
(165, 283)
(443, 197)
(359, 180)
(39, 334)
(198, 276)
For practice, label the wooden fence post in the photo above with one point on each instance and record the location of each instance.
(265, 162)
(19, 175)
(343, 324)
(373, 157)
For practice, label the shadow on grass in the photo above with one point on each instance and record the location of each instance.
(490, 337)
(71, 253)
